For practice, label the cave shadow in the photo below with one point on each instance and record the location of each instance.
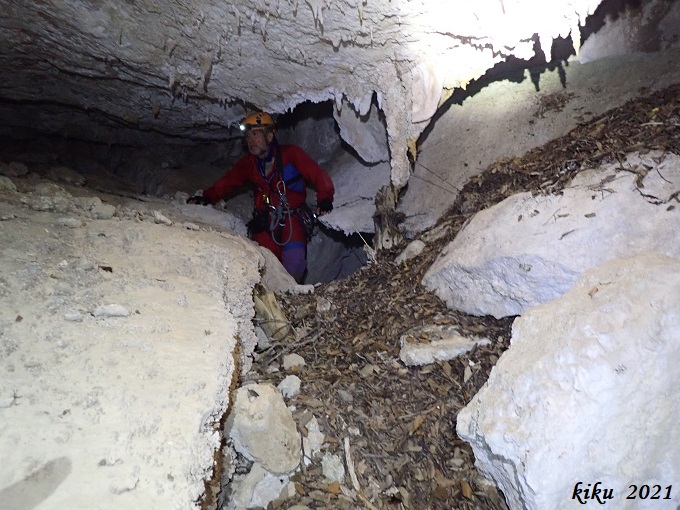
(333, 255)
(515, 70)
(28, 493)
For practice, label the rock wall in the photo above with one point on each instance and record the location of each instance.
(585, 394)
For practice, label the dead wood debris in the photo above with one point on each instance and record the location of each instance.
(555, 102)
(401, 421)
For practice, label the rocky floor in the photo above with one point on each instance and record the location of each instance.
(401, 421)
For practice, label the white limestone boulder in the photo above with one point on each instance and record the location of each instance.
(528, 250)
(263, 430)
(587, 392)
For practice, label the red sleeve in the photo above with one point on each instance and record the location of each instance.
(311, 171)
(237, 176)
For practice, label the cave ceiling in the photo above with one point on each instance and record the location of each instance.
(149, 71)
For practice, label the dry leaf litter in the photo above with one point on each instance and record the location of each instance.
(398, 423)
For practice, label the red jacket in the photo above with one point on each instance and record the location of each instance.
(298, 167)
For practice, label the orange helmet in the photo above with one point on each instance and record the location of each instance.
(258, 120)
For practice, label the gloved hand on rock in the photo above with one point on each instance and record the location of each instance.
(324, 207)
(198, 199)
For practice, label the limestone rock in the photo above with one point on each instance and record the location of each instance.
(413, 249)
(290, 386)
(7, 183)
(14, 169)
(529, 249)
(435, 343)
(263, 430)
(70, 222)
(587, 391)
(333, 468)
(53, 198)
(257, 489)
(161, 219)
(364, 131)
(103, 211)
(313, 441)
(349, 52)
(276, 278)
(293, 361)
(87, 203)
(66, 175)
(112, 310)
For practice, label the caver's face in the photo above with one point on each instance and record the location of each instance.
(258, 141)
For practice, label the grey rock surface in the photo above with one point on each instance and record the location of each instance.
(586, 392)
(529, 249)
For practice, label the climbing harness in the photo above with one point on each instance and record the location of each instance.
(281, 214)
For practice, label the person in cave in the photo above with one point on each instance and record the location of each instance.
(282, 221)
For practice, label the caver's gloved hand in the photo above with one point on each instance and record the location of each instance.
(324, 207)
(197, 199)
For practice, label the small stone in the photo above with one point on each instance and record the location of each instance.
(103, 211)
(323, 305)
(413, 249)
(73, 317)
(456, 463)
(314, 441)
(112, 310)
(367, 371)
(290, 386)
(70, 222)
(6, 183)
(18, 169)
(354, 431)
(346, 396)
(87, 203)
(293, 361)
(333, 468)
(160, 219)
(190, 226)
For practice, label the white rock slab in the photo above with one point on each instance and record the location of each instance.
(528, 250)
(114, 412)
(263, 430)
(587, 392)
